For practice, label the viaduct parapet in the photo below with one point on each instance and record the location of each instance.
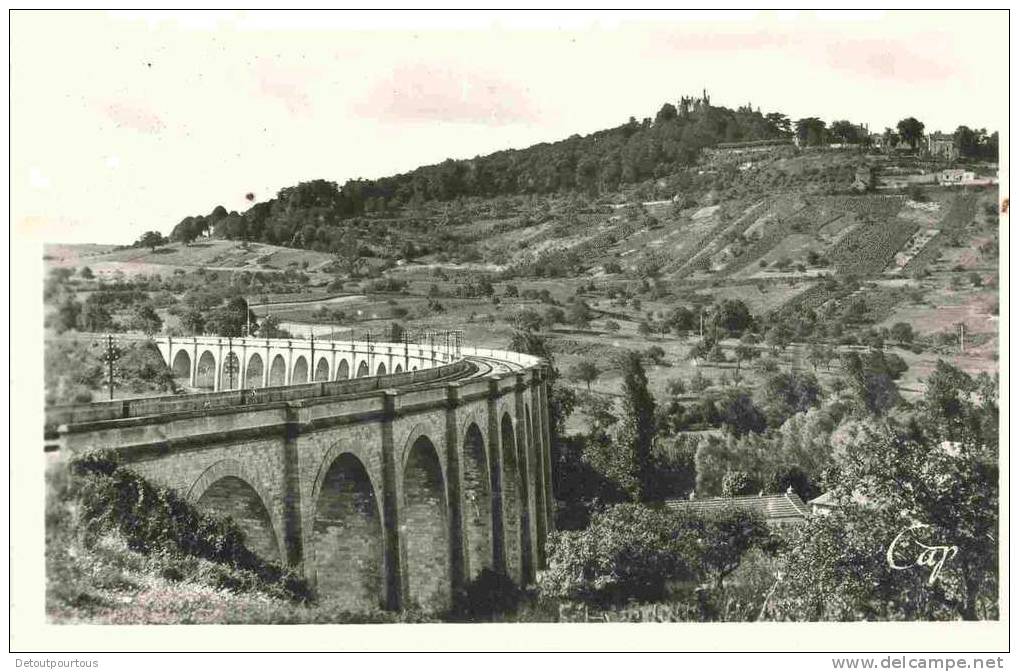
(389, 490)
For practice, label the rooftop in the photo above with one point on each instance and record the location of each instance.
(774, 508)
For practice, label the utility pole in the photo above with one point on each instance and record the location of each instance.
(962, 337)
(112, 354)
(230, 356)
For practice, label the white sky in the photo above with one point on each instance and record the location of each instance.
(123, 123)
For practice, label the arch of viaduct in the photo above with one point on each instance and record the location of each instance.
(392, 492)
(216, 363)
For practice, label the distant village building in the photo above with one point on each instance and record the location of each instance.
(956, 176)
(784, 509)
(942, 145)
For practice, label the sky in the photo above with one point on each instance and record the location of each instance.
(128, 122)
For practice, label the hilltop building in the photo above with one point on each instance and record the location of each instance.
(942, 145)
(689, 104)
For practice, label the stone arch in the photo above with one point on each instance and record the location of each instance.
(230, 376)
(181, 365)
(205, 372)
(425, 521)
(398, 369)
(322, 369)
(278, 371)
(362, 369)
(300, 373)
(254, 372)
(343, 370)
(477, 495)
(512, 507)
(226, 489)
(346, 531)
(381, 371)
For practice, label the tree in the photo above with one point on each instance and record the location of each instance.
(871, 382)
(627, 552)
(779, 122)
(746, 350)
(819, 354)
(655, 356)
(785, 394)
(578, 314)
(146, 320)
(891, 138)
(585, 371)
(528, 319)
(739, 414)
(67, 315)
(231, 319)
(911, 131)
(553, 315)
(846, 132)
(681, 320)
(667, 113)
(151, 240)
(637, 430)
(141, 369)
(86, 273)
(732, 317)
(967, 142)
(779, 337)
(193, 321)
(912, 487)
(902, 332)
(633, 552)
(810, 132)
(269, 327)
(727, 537)
(611, 326)
(94, 315)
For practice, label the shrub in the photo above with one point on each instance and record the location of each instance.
(627, 551)
(490, 593)
(155, 520)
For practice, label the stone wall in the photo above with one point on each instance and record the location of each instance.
(395, 497)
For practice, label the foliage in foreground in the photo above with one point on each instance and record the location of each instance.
(111, 502)
(634, 552)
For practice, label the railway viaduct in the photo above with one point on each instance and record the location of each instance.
(392, 489)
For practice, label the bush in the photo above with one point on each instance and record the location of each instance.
(633, 552)
(627, 551)
(158, 521)
(490, 593)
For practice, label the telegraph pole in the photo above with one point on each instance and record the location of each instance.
(230, 359)
(312, 353)
(111, 355)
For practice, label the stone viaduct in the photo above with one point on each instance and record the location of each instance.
(393, 489)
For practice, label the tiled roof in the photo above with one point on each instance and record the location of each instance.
(827, 499)
(772, 507)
